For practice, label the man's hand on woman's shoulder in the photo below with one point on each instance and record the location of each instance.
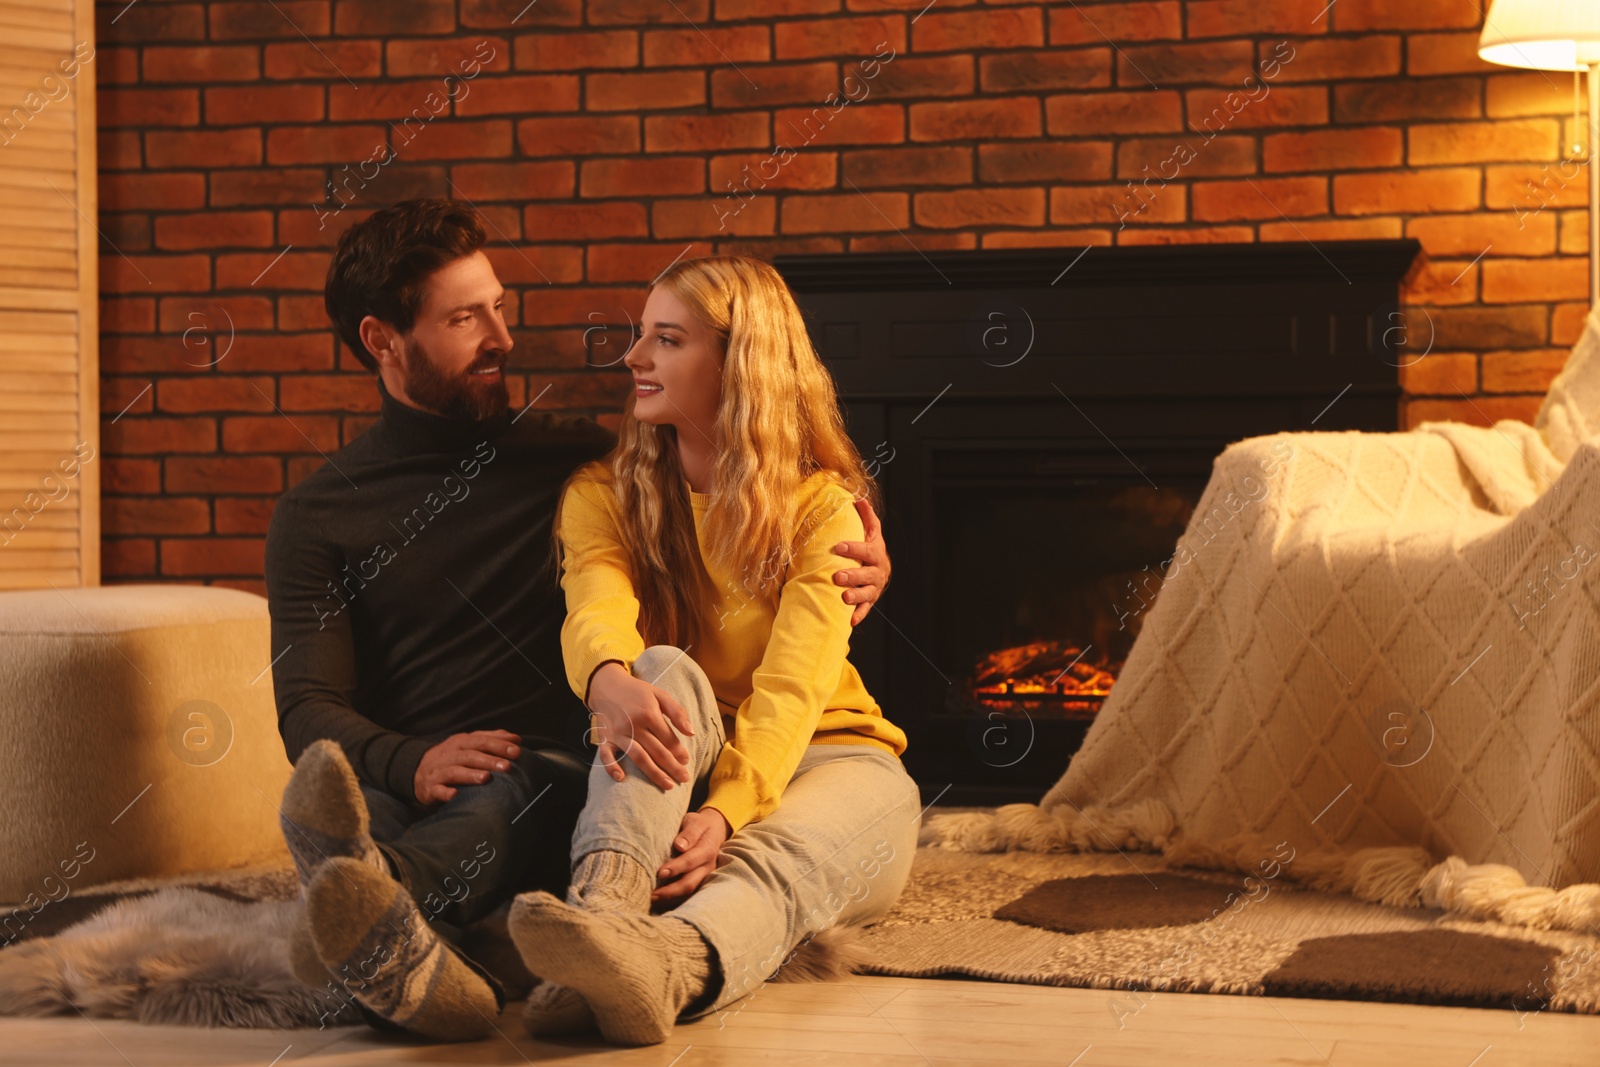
(868, 581)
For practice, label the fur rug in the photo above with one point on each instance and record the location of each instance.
(187, 955)
(178, 956)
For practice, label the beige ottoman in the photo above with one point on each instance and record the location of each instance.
(138, 736)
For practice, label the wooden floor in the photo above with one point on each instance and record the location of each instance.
(898, 1022)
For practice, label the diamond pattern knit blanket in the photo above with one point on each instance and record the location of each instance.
(1383, 647)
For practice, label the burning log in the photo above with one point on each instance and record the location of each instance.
(1045, 671)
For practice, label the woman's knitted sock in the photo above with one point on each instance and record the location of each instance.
(556, 1011)
(369, 934)
(603, 880)
(637, 972)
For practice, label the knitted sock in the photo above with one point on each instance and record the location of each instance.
(611, 881)
(601, 881)
(369, 933)
(336, 1003)
(303, 958)
(324, 814)
(556, 1011)
(637, 972)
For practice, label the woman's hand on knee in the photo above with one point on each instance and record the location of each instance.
(635, 719)
(696, 850)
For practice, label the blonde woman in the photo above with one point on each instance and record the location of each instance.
(745, 779)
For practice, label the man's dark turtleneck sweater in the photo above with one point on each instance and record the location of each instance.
(412, 589)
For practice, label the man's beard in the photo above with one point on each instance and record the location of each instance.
(456, 397)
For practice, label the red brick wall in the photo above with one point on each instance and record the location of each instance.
(604, 139)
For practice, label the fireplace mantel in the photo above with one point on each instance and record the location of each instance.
(1025, 268)
(1294, 320)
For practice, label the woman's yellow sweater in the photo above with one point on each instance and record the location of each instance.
(780, 676)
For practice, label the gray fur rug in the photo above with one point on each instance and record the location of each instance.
(180, 956)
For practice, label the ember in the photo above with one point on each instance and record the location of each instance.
(1044, 674)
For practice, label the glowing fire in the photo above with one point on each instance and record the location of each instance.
(1044, 672)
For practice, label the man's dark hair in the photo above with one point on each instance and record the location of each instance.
(383, 261)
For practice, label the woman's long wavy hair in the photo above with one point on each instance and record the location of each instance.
(777, 423)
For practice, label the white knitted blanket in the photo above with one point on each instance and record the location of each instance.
(1366, 641)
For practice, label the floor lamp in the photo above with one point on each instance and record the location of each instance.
(1555, 35)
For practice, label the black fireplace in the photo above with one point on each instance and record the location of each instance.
(1042, 423)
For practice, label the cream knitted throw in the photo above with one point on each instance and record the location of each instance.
(1381, 649)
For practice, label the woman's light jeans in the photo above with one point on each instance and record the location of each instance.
(837, 851)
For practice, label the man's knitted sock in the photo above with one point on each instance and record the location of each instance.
(338, 1006)
(324, 814)
(603, 880)
(303, 958)
(369, 934)
(637, 972)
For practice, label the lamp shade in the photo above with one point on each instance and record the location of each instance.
(1542, 34)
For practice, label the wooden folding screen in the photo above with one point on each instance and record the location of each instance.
(49, 292)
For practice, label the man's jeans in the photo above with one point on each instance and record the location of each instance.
(462, 859)
(836, 852)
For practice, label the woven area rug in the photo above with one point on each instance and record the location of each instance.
(1128, 922)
